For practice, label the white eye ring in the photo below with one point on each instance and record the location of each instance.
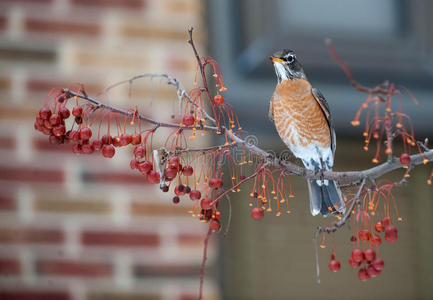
(290, 58)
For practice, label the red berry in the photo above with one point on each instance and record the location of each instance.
(214, 225)
(139, 152)
(372, 272)
(59, 130)
(133, 164)
(378, 264)
(386, 221)
(145, 167)
(108, 151)
(376, 240)
(76, 149)
(379, 227)
(334, 265)
(187, 170)
(45, 113)
(165, 188)
(179, 190)
(206, 203)
(176, 199)
(354, 264)
(257, 213)
(116, 141)
(353, 238)
(106, 139)
(215, 183)
(64, 112)
(391, 233)
(363, 275)
(87, 149)
(55, 119)
(153, 177)
(405, 159)
(195, 195)
(170, 173)
(85, 133)
(187, 190)
(364, 235)
(97, 145)
(370, 254)
(136, 139)
(173, 162)
(77, 111)
(125, 139)
(188, 120)
(75, 136)
(357, 255)
(218, 99)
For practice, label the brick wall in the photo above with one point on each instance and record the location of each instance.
(79, 227)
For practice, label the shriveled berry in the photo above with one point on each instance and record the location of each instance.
(64, 112)
(145, 167)
(179, 190)
(372, 272)
(176, 199)
(125, 139)
(353, 238)
(195, 195)
(55, 119)
(370, 254)
(354, 264)
(135, 139)
(187, 190)
(242, 177)
(379, 227)
(364, 235)
(45, 113)
(391, 233)
(188, 120)
(170, 173)
(363, 275)
(55, 140)
(376, 240)
(106, 139)
(108, 151)
(97, 145)
(357, 255)
(218, 99)
(79, 120)
(164, 188)
(76, 149)
(77, 111)
(187, 170)
(85, 133)
(405, 159)
(386, 221)
(139, 152)
(206, 203)
(215, 183)
(257, 213)
(378, 264)
(334, 265)
(214, 225)
(153, 177)
(59, 130)
(133, 164)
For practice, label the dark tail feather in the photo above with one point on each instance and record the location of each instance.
(325, 198)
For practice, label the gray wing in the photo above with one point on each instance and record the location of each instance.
(325, 108)
(271, 111)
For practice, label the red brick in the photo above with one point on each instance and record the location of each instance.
(114, 177)
(3, 23)
(191, 239)
(166, 270)
(61, 27)
(7, 143)
(29, 1)
(119, 239)
(31, 175)
(30, 235)
(155, 209)
(17, 112)
(7, 202)
(46, 85)
(34, 295)
(119, 295)
(9, 266)
(42, 144)
(73, 268)
(129, 4)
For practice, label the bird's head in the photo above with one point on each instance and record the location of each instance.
(286, 65)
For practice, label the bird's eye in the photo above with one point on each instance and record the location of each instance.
(290, 59)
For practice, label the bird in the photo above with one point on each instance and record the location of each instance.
(303, 121)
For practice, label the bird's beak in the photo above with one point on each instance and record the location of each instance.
(275, 59)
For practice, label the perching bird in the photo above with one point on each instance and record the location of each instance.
(303, 121)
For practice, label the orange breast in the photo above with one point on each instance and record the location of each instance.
(298, 117)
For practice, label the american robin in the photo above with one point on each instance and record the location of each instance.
(302, 118)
